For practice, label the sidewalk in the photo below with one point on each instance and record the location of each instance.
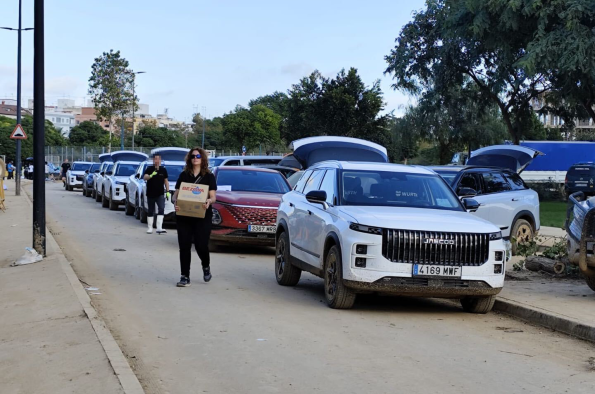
(47, 342)
(562, 304)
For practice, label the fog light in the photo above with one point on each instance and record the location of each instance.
(361, 249)
(497, 268)
(360, 262)
(499, 256)
(216, 217)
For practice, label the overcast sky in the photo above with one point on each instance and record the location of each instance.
(213, 54)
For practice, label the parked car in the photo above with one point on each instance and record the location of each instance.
(98, 180)
(113, 190)
(246, 207)
(76, 174)
(285, 171)
(387, 228)
(134, 190)
(243, 160)
(580, 178)
(105, 159)
(491, 177)
(88, 180)
(580, 217)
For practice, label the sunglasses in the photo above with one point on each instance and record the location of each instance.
(195, 156)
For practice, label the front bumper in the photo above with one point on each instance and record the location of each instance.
(425, 287)
(239, 236)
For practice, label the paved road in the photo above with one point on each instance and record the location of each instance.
(242, 333)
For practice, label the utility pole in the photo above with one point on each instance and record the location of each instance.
(39, 132)
(18, 142)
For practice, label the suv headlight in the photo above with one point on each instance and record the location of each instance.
(365, 229)
(496, 236)
(216, 217)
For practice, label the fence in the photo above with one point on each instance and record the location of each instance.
(57, 154)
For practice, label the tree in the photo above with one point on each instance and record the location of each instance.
(481, 40)
(154, 137)
(88, 133)
(405, 138)
(8, 146)
(251, 127)
(110, 87)
(342, 106)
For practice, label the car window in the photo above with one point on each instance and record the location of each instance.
(329, 185)
(126, 169)
(249, 180)
(494, 182)
(110, 167)
(232, 163)
(173, 172)
(299, 187)
(314, 182)
(251, 162)
(470, 180)
(515, 181)
(397, 189)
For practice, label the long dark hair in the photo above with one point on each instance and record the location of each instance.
(204, 162)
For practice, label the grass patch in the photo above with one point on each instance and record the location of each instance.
(552, 213)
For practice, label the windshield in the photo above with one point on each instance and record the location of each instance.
(215, 162)
(126, 169)
(110, 167)
(397, 189)
(252, 181)
(449, 176)
(293, 180)
(80, 166)
(173, 172)
(94, 167)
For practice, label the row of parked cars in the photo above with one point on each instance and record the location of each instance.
(362, 224)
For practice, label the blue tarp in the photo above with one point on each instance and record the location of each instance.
(559, 156)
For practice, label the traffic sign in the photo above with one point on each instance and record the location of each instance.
(18, 133)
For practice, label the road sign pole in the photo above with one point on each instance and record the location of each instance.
(18, 152)
(38, 132)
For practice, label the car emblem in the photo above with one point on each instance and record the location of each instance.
(436, 241)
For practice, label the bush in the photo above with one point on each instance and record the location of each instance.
(549, 191)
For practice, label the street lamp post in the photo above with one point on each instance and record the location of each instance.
(133, 106)
(18, 150)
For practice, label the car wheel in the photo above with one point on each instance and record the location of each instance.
(590, 282)
(287, 274)
(112, 204)
(478, 304)
(522, 231)
(98, 197)
(338, 296)
(143, 213)
(137, 212)
(128, 209)
(104, 201)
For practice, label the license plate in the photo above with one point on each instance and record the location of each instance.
(436, 270)
(262, 229)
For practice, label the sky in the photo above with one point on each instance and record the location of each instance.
(201, 53)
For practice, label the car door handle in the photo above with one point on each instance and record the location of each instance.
(291, 204)
(309, 212)
(516, 199)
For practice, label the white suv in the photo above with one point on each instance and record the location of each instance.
(387, 228)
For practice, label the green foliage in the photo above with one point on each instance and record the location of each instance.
(214, 138)
(557, 251)
(154, 137)
(525, 249)
(251, 127)
(8, 146)
(406, 138)
(88, 134)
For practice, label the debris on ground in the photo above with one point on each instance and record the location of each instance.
(31, 256)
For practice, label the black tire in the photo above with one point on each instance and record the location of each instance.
(128, 209)
(338, 296)
(143, 213)
(93, 194)
(522, 231)
(112, 205)
(98, 197)
(104, 200)
(137, 212)
(591, 282)
(286, 273)
(480, 305)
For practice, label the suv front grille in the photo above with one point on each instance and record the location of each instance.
(422, 247)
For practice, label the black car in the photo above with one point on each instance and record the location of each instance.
(88, 179)
(580, 178)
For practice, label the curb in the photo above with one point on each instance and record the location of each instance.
(126, 376)
(545, 318)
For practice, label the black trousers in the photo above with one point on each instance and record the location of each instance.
(160, 201)
(193, 231)
(10, 175)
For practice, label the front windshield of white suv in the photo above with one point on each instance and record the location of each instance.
(126, 169)
(397, 189)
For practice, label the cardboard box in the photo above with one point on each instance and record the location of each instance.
(191, 198)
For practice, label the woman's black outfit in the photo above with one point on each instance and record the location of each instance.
(195, 230)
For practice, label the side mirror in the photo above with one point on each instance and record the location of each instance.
(86, 171)
(102, 173)
(109, 173)
(466, 192)
(137, 176)
(471, 204)
(317, 197)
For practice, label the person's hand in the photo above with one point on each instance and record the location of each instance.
(207, 204)
(153, 174)
(167, 195)
(177, 208)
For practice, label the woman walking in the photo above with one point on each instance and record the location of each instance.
(195, 230)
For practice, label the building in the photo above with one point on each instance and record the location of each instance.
(553, 121)
(61, 120)
(10, 110)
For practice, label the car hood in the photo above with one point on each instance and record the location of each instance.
(122, 178)
(512, 157)
(419, 219)
(76, 172)
(253, 199)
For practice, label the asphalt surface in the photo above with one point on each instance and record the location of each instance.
(243, 333)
